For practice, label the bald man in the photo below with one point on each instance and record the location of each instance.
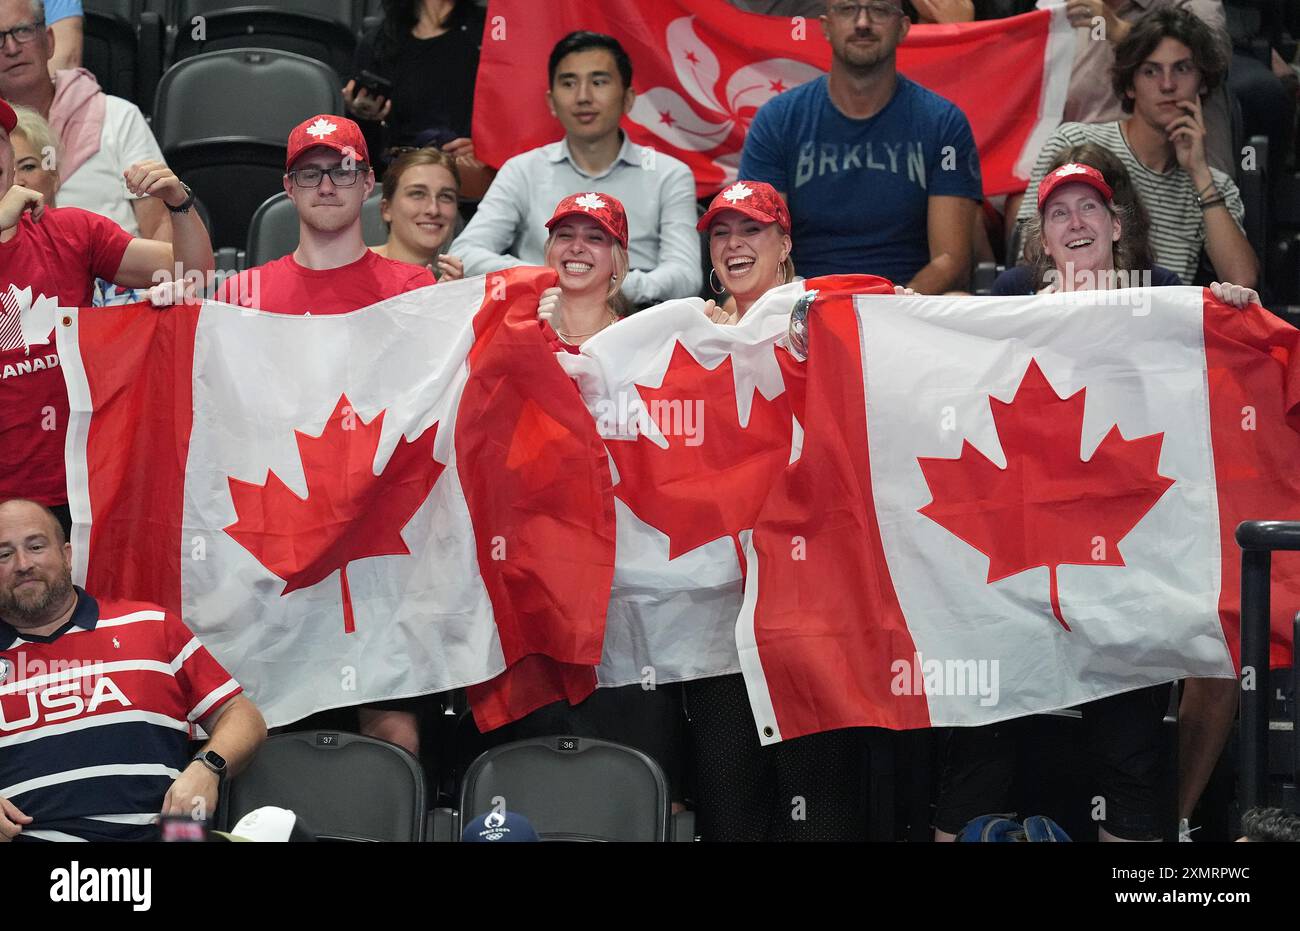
(99, 701)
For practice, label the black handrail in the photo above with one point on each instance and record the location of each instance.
(1258, 540)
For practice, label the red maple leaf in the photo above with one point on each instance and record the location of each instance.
(349, 512)
(1048, 507)
(710, 484)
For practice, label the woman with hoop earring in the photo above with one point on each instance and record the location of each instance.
(748, 227)
(809, 788)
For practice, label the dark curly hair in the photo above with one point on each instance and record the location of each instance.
(1168, 23)
(1133, 251)
(1271, 824)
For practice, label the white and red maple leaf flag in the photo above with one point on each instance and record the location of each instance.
(346, 508)
(698, 426)
(702, 68)
(1010, 505)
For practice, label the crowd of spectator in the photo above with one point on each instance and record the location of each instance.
(1140, 177)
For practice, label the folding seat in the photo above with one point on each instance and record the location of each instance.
(570, 789)
(345, 787)
(223, 120)
(123, 47)
(320, 29)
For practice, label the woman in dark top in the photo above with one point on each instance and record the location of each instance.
(428, 50)
(1130, 255)
(1090, 233)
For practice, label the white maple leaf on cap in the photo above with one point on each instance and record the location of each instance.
(322, 127)
(737, 191)
(1073, 168)
(590, 202)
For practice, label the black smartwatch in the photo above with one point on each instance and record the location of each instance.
(210, 758)
(183, 207)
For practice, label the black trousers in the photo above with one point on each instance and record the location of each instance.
(807, 789)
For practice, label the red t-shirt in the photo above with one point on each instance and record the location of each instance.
(58, 257)
(285, 287)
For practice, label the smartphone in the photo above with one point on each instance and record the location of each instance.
(183, 829)
(375, 85)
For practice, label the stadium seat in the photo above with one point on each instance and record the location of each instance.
(320, 29)
(273, 231)
(230, 152)
(123, 47)
(344, 786)
(572, 789)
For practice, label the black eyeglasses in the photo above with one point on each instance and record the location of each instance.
(877, 11)
(22, 33)
(340, 176)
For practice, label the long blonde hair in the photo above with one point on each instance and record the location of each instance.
(618, 304)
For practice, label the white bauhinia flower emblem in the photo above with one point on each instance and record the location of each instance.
(737, 192)
(665, 113)
(322, 127)
(590, 202)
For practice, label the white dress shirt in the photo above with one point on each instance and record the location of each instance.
(657, 191)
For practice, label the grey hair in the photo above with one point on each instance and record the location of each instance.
(38, 11)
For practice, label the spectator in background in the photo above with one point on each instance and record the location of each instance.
(35, 154)
(67, 20)
(50, 256)
(100, 135)
(881, 175)
(421, 190)
(1169, 62)
(590, 91)
(1099, 26)
(428, 51)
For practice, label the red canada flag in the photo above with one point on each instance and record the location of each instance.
(710, 479)
(702, 68)
(1049, 506)
(298, 538)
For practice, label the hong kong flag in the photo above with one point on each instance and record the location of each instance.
(348, 508)
(1010, 505)
(702, 68)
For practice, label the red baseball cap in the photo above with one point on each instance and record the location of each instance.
(604, 209)
(334, 132)
(1073, 173)
(8, 118)
(756, 199)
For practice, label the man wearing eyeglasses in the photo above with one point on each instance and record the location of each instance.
(1169, 62)
(328, 177)
(881, 175)
(100, 135)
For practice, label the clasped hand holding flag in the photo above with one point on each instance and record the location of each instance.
(1036, 494)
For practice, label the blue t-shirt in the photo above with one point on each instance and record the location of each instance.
(858, 190)
(56, 10)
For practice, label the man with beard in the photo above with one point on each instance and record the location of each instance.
(881, 175)
(99, 701)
